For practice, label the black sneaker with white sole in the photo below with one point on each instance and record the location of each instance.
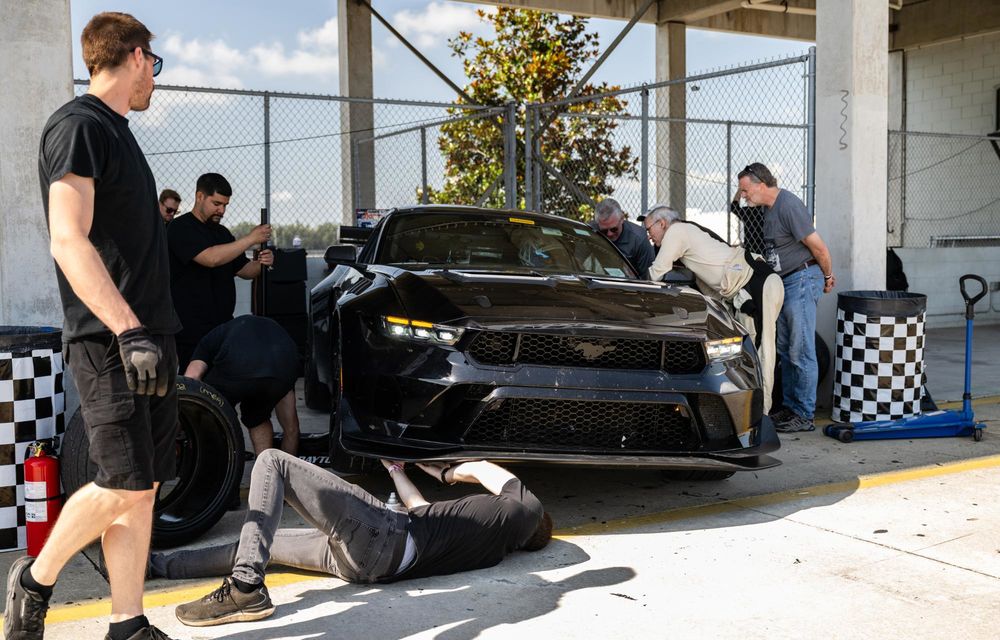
(226, 604)
(794, 424)
(24, 611)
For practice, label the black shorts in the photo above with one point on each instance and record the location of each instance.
(132, 437)
(256, 397)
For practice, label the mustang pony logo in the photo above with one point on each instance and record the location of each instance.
(593, 350)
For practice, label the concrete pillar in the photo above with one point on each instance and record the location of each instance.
(671, 138)
(852, 40)
(38, 36)
(357, 161)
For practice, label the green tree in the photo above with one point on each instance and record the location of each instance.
(534, 57)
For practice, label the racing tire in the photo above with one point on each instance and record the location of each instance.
(699, 475)
(210, 459)
(317, 394)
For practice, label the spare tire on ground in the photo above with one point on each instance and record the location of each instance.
(210, 458)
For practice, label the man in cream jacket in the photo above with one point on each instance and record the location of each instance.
(733, 274)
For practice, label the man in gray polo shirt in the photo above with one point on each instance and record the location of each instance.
(609, 220)
(796, 253)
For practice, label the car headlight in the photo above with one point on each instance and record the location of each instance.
(724, 349)
(419, 330)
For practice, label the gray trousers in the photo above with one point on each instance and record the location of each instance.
(354, 536)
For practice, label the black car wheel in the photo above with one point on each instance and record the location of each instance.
(210, 458)
(700, 475)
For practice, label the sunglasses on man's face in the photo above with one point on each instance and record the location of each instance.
(749, 169)
(170, 210)
(157, 61)
(612, 231)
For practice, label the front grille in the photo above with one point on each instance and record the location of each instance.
(502, 348)
(715, 417)
(541, 423)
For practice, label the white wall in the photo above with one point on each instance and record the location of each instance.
(949, 88)
(935, 273)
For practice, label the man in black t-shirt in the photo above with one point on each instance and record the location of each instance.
(357, 537)
(204, 259)
(254, 363)
(110, 250)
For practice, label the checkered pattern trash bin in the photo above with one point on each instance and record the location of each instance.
(32, 404)
(879, 366)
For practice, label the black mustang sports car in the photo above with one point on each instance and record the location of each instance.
(459, 333)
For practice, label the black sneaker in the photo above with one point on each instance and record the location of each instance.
(226, 604)
(146, 633)
(795, 424)
(781, 415)
(24, 611)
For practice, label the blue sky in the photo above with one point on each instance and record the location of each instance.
(292, 45)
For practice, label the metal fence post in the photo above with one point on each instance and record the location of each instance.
(510, 156)
(424, 196)
(529, 187)
(644, 160)
(811, 134)
(729, 178)
(539, 195)
(267, 152)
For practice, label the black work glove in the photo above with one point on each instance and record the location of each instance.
(145, 366)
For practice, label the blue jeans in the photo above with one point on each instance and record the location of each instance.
(796, 340)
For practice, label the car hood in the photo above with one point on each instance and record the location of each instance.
(511, 300)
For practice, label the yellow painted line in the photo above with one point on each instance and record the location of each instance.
(71, 613)
(167, 597)
(848, 486)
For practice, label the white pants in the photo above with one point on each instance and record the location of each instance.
(774, 297)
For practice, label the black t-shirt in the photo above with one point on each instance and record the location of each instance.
(87, 138)
(204, 297)
(248, 348)
(473, 532)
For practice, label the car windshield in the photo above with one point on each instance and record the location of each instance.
(500, 243)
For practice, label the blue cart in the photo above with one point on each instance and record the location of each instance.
(934, 424)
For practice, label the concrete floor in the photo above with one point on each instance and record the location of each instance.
(866, 540)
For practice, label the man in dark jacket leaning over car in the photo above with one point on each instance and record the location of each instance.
(610, 221)
(356, 537)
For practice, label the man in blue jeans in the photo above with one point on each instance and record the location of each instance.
(796, 253)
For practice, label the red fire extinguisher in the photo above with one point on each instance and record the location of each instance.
(42, 493)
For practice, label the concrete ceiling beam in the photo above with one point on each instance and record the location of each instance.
(761, 23)
(937, 21)
(609, 9)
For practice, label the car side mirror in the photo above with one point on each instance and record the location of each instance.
(340, 254)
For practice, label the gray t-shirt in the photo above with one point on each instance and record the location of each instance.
(786, 224)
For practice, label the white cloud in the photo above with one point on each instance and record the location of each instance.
(213, 55)
(325, 38)
(272, 60)
(437, 23)
(194, 62)
(186, 76)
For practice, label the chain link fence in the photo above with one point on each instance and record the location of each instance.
(291, 153)
(944, 190)
(314, 160)
(687, 156)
